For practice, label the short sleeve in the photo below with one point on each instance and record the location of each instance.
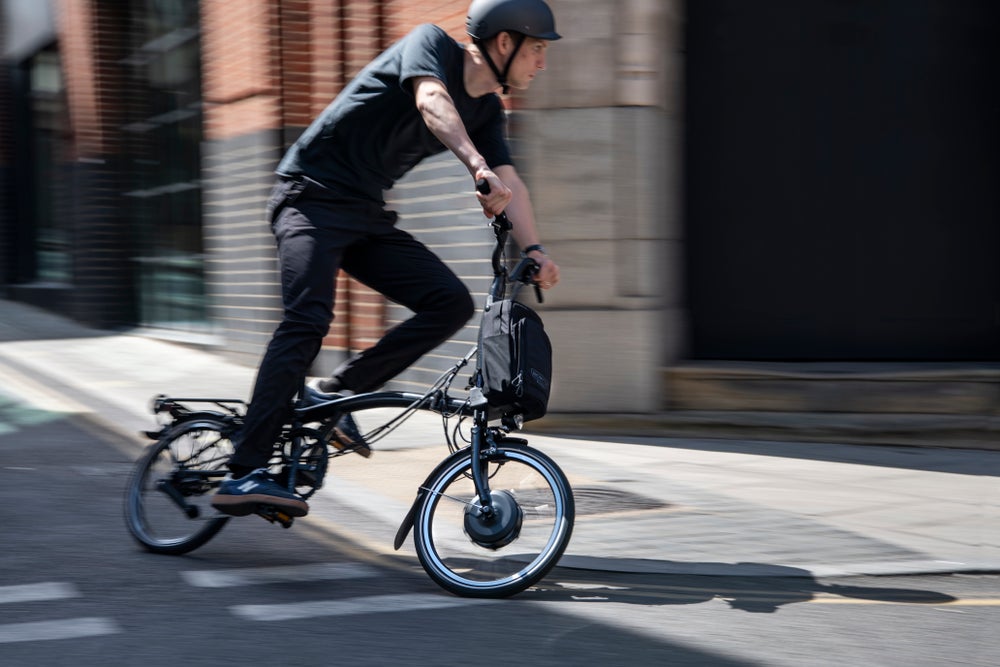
(424, 54)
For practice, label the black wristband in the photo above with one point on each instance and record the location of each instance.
(531, 248)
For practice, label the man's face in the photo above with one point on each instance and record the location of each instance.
(530, 60)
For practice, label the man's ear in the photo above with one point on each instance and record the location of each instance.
(504, 43)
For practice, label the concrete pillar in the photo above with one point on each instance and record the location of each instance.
(600, 136)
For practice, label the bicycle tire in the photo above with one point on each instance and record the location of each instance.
(191, 457)
(525, 551)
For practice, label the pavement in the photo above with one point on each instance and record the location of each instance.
(644, 504)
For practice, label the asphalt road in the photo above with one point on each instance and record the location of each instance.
(76, 590)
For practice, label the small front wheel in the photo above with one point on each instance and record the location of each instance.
(167, 502)
(504, 550)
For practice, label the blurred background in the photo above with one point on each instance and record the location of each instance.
(779, 207)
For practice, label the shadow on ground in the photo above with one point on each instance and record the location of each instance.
(751, 593)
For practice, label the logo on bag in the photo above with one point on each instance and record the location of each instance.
(539, 379)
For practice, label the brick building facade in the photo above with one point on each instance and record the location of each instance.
(744, 186)
(176, 114)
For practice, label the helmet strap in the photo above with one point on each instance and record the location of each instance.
(519, 40)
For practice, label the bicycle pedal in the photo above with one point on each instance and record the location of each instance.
(274, 515)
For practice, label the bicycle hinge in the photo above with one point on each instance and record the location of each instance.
(477, 399)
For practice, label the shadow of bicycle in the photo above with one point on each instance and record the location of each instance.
(750, 587)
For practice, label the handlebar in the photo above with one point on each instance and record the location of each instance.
(525, 270)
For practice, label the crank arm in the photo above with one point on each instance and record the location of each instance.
(164, 486)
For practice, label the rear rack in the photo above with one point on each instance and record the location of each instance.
(176, 406)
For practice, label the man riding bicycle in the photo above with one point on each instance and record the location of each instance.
(424, 95)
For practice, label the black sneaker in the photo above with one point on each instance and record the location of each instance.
(346, 433)
(240, 497)
(348, 436)
(328, 385)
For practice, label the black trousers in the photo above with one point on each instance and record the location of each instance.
(318, 232)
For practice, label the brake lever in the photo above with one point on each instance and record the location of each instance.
(531, 273)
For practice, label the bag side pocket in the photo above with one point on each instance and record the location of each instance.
(532, 367)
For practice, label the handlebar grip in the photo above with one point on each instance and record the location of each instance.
(483, 186)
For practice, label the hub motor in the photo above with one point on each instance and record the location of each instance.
(497, 529)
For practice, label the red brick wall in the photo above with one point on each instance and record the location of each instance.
(239, 73)
(321, 62)
(90, 39)
(404, 15)
(284, 60)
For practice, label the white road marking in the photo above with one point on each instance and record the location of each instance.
(274, 575)
(37, 592)
(378, 604)
(71, 628)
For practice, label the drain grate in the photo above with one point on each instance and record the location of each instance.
(591, 500)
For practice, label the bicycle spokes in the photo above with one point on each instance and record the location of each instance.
(167, 505)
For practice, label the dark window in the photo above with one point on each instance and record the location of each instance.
(48, 153)
(162, 135)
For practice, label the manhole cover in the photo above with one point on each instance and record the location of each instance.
(592, 500)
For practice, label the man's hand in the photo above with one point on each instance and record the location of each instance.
(548, 271)
(499, 195)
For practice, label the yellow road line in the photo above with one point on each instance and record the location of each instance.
(619, 590)
(960, 602)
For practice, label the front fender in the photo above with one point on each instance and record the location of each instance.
(407, 525)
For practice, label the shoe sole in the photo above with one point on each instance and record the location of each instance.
(248, 504)
(342, 442)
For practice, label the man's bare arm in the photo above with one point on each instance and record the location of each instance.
(441, 117)
(507, 190)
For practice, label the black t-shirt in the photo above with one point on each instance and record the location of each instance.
(372, 133)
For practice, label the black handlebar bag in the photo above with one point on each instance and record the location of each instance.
(517, 360)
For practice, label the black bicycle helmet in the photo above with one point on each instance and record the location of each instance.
(521, 18)
(532, 18)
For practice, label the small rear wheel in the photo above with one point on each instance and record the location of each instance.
(167, 501)
(502, 551)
